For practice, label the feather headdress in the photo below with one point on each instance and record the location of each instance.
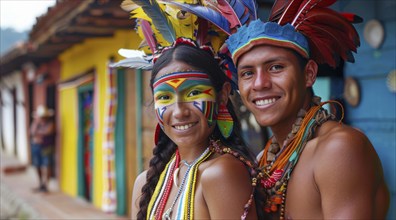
(208, 22)
(329, 34)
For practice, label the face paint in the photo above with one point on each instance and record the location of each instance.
(209, 109)
(192, 88)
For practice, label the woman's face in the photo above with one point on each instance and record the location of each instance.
(185, 104)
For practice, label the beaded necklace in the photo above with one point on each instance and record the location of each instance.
(161, 193)
(186, 203)
(277, 163)
(186, 190)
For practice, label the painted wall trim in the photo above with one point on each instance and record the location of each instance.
(80, 148)
(139, 117)
(120, 153)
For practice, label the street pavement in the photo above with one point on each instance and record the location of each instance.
(18, 201)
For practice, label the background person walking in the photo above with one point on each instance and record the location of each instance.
(42, 133)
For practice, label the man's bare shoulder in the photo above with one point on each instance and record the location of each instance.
(344, 158)
(346, 151)
(335, 138)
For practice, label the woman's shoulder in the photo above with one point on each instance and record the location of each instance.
(224, 167)
(140, 180)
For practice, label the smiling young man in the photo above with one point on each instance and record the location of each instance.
(313, 167)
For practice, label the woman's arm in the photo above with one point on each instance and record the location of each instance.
(137, 191)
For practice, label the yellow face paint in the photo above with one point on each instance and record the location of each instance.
(187, 87)
(183, 87)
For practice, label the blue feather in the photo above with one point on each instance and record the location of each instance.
(238, 7)
(252, 6)
(206, 13)
(160, 21)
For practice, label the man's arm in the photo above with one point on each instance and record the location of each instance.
(347, 172)
(48, 129)
(34, 127)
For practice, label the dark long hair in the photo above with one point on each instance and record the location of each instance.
(163, 151)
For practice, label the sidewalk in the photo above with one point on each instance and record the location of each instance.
(18, 201)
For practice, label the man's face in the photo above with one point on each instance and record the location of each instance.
(272, 85)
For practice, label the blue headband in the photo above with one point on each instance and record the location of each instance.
(269, 33)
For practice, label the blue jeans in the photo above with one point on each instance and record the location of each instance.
(41, 155)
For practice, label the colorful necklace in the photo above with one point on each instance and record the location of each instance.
(187, 178)
(166, 181)
(155, 210)
(277, 163)
(174, 168)
(157, 205)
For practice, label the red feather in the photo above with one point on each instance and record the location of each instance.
(202, 33)
(331, 36)
(328, 17)
(352, 18)
(228, 12)
(328, 45)
(321, 50)
(290, 12)
(277, 9)
(148, 35)
(307, 5)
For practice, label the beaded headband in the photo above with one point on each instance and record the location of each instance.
(177, 74)
(271, 33)
(220, 58)
(184, 41)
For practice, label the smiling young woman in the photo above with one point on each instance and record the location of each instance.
(201, 168)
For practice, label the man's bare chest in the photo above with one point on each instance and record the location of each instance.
(303, 197)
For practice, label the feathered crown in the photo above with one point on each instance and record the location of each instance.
(160, 23)
(258, 33)
(330, 35)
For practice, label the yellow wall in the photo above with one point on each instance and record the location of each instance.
(92, 54)
(68, 120)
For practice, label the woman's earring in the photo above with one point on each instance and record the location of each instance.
(225, 121)
(157, 133)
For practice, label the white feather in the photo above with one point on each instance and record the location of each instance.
(135, 59)
(128, 53)
(133, 62)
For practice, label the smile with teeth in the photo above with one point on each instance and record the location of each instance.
(183, 127)
(262, 102)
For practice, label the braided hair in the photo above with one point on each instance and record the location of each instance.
(200, 60)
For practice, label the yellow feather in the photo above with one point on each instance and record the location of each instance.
(139, 13)
(183, 22)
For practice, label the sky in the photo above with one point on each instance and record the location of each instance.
(21, 14)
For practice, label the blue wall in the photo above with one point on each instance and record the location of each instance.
(376, 113)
